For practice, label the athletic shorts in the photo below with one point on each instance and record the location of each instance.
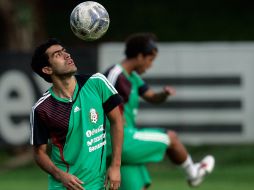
(140, 146)
(134, 177)
(144, 145)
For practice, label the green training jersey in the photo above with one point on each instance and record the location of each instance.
(76, 129)
(130, 87)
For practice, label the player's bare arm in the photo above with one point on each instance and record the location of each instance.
(158, 97)
(71, 182)
(113, 178)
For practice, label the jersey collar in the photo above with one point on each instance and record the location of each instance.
(66, 100)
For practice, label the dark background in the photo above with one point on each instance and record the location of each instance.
(175, 20)
(172, 21)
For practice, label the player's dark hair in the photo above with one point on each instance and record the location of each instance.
(40, 58)
(144, 43)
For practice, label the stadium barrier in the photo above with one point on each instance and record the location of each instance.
(214, 90)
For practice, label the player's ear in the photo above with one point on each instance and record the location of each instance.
(47, 70)
(140, 56)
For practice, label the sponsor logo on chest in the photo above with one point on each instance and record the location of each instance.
(96, 138)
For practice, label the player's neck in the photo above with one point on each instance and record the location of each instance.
(128, 65)
(64, 88)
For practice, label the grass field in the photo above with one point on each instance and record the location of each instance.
(234, 171)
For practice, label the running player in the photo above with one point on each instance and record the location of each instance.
(147, 145)
(71, 117)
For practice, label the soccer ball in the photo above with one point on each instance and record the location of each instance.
(89, 20)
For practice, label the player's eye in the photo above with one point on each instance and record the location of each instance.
(59, 53)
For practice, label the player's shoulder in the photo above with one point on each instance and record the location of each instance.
(98, 77)
(86, 77)
(82, 79)
(100, 80)
(113, 69)
(90, 78)
(114, 73)
(42, 100)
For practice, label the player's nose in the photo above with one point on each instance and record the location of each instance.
(67, 55)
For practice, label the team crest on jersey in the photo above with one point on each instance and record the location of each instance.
(93, 115)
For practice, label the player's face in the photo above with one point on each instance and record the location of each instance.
(61, 63)
(146, 62)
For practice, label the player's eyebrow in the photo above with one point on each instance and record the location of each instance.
(57, 51)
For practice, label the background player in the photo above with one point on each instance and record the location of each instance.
(71, 115)
(147, 145)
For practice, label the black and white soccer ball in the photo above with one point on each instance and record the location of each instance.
(89, 20)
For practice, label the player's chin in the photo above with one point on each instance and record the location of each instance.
(73, 68)
(70, 72)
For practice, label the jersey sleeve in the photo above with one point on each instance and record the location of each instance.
(142, 86)
(39, 132)
(108, 93)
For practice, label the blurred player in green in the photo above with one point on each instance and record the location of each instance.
(142, 146)
(71, 116)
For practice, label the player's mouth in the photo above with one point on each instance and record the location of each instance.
(70, 62)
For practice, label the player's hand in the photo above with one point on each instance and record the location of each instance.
(71, 182)
(113, 178)
(169, 90)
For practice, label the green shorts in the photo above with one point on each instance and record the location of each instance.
(143, 145)
(140, 146)
(134, 177)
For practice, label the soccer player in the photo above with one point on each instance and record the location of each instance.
(71, 117)
(147, 145)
